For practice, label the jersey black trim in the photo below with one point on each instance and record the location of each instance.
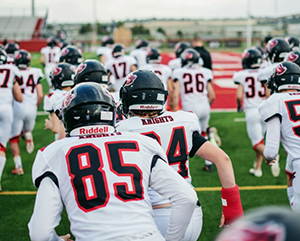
(198, 141)
(275, 115)
(51, 175)
(154, 161)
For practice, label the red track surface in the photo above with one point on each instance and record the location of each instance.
(224, 65)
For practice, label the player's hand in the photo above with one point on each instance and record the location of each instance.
(222, 221)
(48, 123)
(240, 108)
(66, 237)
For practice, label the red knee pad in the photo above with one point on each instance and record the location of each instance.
(232, 206)
(2, 148)
(14, 139)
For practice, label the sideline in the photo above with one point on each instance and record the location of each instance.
(198, 189)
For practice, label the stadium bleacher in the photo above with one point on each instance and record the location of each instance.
(20, 28)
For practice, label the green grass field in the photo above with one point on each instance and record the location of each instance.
(17, 198)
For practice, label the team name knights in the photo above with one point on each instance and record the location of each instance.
(157, 120)
(93, 130)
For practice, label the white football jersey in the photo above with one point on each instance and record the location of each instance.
(253, 90)
(163, 71)
(30, 77)
(53, 101)
(287, 106)
(103, 181)
(193, 85)
(51, 55)
(105, 51)
(173, 131)
(8, 73)
(120, 68)
(266, 72)
(140, 55)
(175, 63)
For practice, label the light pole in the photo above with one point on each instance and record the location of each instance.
(249, 29)
(95, 23)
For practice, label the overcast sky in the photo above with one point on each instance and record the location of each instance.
(70, 11)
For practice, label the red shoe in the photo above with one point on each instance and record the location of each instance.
(18, 171)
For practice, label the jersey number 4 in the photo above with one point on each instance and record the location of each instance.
(177, 149)
(89, 180)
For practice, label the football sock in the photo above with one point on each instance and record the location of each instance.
(2, 164)
(18, 162)
(290, 193)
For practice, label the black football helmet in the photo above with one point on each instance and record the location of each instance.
(180, 47)
(88, 104)
(277, 49)
(62, 75)
(153, 55)
(106, 40)
(294, 43)
(118, 50)
(251, 59)
(22, 59)
(142, 90)
(285, 76)
(3, 56)
(11, 48)
(141, 43)
(71, 55)
(293, 57)
(91, 70)
(189, 56)
(265, 223)
(51, 42)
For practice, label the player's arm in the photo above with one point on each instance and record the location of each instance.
(168, 183)
(174, 96)
(231, 201)
(40, 93)
(42, 60)
(133, 67)
(272, 139)
(239, 97)
(210, 92)
(47, 212)
(102, 58)
(17, 93)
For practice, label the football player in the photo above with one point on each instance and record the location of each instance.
(251, 92)
(9, 90)
(62, 81)
(11, 49)
(49, 57)
(198, 45)
(102, 177)
(72, 55)
(140, 52)
(119, 66)
(163, 71)
(25, 112)
(276, 51)
(280, 111)
(104, 52)
(264, 223)
(142, 97)
(193, 84)
(179, 48)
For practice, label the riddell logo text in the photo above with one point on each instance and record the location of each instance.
(93, 130)
(151, 107)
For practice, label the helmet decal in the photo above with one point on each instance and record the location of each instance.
(272, 44)
(57, 70)
(81, 68)
(130, 79)
(248, 231)
(280, 69)
(64, 52)
(293, 57)
(246, 54)
(73, 68)
(67, 100)
(188, 55)
(18, 55)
